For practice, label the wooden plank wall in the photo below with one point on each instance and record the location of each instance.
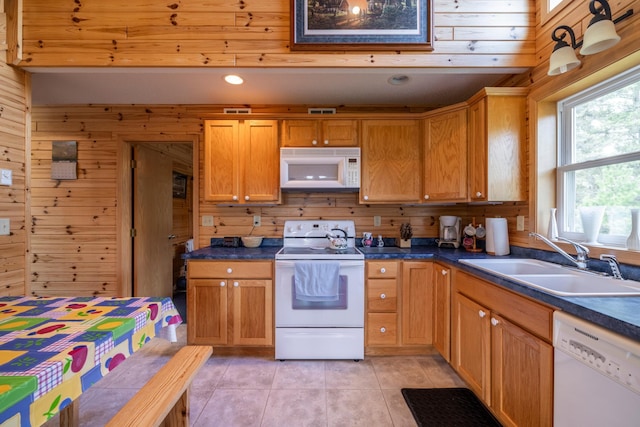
(13, 130)
(74, 229)
(254, 33)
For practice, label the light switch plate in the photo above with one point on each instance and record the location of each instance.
(5, 227)
(6, 177)
(207, 220)
(257, 221)
(520, 223)
(377, 221)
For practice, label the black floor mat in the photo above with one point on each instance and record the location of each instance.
(439, 407)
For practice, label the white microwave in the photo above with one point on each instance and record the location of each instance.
(319, 168)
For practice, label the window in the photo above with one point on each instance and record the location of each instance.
(550, 8)
(599, 158)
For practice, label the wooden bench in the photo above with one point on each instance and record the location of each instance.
(165, 397)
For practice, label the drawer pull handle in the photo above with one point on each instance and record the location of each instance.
(383, 270)
(229, 270)
(494, 321)
(236, 284)
(314, 142)
(383, 330)
(222, 284)
(478, 194)
(383, 296)
(481, 313)
(445, 272)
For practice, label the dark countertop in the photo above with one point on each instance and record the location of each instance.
(619, 314)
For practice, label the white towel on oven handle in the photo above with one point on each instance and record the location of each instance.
(317, 280)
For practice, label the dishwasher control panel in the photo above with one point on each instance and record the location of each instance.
(611, 354)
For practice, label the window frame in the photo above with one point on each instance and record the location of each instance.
(565, 152)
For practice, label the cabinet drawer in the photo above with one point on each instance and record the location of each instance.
(382, 269)
(382, 295)
(382, 329)
(230, 269)
(528, 314)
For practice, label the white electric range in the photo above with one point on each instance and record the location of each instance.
(319, 293)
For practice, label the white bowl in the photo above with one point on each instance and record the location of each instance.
(251, 241)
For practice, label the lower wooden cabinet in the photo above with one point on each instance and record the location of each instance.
(382, 321)
(442, 310)
(230, 303)
(501, 348)
(417, 303)
(399, 306)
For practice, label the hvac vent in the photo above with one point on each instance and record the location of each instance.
(321, 111)
(237, 110)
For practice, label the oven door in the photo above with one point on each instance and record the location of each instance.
(347, 311)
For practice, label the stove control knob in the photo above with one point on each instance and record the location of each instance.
(222, 284)
(229, 270)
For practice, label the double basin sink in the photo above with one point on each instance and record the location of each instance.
(556, 279)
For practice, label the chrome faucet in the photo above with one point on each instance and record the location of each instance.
(614, 264)
(582, 252)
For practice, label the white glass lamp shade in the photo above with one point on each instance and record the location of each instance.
(562, 60)
(600, 35)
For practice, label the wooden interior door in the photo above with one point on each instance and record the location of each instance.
(153, 223)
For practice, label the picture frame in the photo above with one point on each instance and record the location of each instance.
(334, 25)
(179, 186)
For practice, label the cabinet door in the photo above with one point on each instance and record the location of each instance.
(221, 161)
(260, 161)
(207, 309)
(252, 304)
(442, 310)
(477, 151)
(417, 303)
(339, 133)
(300, 133)
(522, 372)
(471, 345)
(391, 161)
(445, 157)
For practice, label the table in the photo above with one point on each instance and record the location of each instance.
(53, 349)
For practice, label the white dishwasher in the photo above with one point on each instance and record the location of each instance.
(596, 375)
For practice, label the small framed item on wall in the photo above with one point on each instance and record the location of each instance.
(179, 186)
(64, 160)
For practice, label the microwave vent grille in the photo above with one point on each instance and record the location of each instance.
(321, 111)
(237, 111)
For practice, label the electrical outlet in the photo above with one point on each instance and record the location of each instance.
(377, 221)
(5, 177)
(520, 223)
(5, 227)
(257, 221)
(207, 220)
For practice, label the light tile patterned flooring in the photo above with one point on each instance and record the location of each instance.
(254, 391)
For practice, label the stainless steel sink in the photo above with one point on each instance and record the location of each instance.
(514, 266)
(556, 279)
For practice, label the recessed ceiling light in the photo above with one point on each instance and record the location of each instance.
(233, 79)
(398, 79)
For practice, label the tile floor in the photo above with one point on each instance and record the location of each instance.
(254, 391)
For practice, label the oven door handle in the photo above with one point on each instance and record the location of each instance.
(343, 264)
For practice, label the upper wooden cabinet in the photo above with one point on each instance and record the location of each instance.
(320, 133)
(391, 167)
(445, 156)
(497, 143)
(241, 161)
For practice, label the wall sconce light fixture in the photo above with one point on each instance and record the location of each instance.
(599, 36)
